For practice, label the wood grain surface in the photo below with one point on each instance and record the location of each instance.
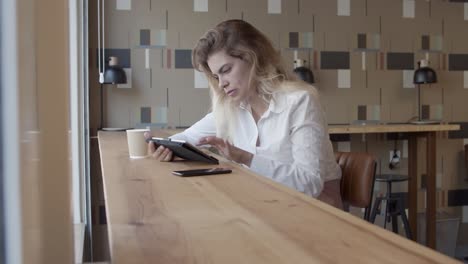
(389, 128)
(156, 217)
(370, 128)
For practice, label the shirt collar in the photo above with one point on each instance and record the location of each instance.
(244, 105)
(277, 103)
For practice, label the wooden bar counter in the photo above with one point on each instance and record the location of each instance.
(156, 217)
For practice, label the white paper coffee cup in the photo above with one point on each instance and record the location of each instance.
(137, 146)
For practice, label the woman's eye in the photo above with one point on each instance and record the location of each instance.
(227, 70)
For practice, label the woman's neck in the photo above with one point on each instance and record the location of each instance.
(258, 106)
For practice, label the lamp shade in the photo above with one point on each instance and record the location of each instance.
(424, 75)
(114, 74)
(304, 74)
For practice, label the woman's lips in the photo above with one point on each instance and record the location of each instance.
(231, 92)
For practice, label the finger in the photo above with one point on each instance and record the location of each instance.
(167, 155)
(211, 140)
(202, 141)
(164, 154)
(220, 150)
(151, 147)
(147, 135)
(158, 152)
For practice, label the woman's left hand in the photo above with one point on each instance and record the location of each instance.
(228, 150)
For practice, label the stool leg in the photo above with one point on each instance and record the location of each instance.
(377, 202)
(405, 221)
(395, 224)
(394, 215)
(367, 213)
(387, 198)
(386, 215)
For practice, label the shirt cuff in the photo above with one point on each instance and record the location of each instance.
(259, 163)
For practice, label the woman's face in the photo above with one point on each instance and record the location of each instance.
(232, 73)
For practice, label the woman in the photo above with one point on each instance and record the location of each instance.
(260, 118)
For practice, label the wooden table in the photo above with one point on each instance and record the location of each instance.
(156, 217)
(413, 131)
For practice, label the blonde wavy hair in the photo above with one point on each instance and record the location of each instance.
(241, 40)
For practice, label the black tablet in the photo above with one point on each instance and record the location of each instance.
(185, 150)
(200, 172)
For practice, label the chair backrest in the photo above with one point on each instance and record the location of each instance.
(357, 181)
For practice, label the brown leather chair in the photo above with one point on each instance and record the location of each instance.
(357, 181)
(466, 160)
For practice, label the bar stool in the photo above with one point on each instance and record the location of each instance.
(395, 206)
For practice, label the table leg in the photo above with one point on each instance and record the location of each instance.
(431, 190)
(413, 184)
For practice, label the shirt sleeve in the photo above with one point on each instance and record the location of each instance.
(203, 128)
(312, 152)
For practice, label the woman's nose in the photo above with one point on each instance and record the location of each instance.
(223, 83)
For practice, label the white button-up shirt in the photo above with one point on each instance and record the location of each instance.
(294, 148)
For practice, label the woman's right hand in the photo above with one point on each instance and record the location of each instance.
(160, 153)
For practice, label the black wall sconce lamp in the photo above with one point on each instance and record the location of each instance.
(423, 75)
(303, 72)
(111, 73)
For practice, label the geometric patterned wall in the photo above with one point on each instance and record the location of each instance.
(362, 53)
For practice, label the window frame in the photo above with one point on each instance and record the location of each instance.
(10, 192)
